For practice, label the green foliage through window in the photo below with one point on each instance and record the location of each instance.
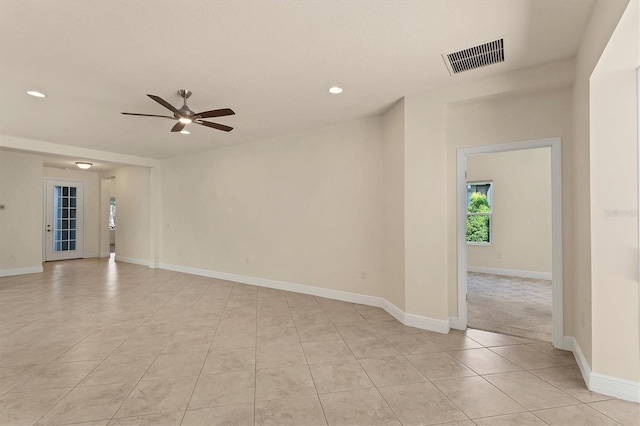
(478, 218)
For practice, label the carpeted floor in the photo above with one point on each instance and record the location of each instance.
(510, 305)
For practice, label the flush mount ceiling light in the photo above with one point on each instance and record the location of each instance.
(335, 90)
(36, 94)
(185, 132)
(83, 165)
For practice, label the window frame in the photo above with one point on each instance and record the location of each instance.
(490, 214)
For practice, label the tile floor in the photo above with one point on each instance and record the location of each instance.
(510, 305)
(98, 343)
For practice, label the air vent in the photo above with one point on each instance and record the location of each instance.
(475, 57)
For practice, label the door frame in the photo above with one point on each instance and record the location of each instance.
(44, 214)
(556, 227)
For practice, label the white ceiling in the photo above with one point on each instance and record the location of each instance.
(271, 61)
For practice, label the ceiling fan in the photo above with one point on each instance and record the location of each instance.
(185, 115)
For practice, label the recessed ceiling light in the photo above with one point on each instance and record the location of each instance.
(83, 165)
(335, 90)
(185, 132)
(36, 94)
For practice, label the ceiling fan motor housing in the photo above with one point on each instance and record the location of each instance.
(184, 112)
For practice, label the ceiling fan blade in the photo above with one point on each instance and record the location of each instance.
(148, 115)
(215, 125)
(164, 103)
(215, 113)
(178, 127)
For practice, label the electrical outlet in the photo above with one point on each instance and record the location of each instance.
(246, 261)
(499, 255)
(13, 255)
(363, 275)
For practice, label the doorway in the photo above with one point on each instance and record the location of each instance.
(64, 220)
(112, 225)
(556, 229)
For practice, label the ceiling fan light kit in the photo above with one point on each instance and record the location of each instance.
(185, 115)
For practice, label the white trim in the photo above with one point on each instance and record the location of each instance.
(393, 310)
(135, 261)
(571, 344)
(21, 271)
(439, 326)
(613, 386)
(105, 254)
(556, 220)
(455, 323)
(511, 272)
(568, 344)
(600, 383)
(90, 255)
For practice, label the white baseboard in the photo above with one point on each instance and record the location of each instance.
(133, 260)
(454, 322)
(613, 386)
(106, 254)
(393, 310)
(411, 320)
(90, 255)
(21, 271)
(600, 383)
(511, 272)
(571, 344)
(440, 326)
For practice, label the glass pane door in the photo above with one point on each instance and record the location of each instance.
(64, 220)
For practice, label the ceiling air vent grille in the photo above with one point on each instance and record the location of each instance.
(476, 57)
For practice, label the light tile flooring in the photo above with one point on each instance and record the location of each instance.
(95, 342)
(510, 305)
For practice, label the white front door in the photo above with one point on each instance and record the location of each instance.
(64, 220)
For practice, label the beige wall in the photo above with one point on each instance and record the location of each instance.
(21, 194)
(603, 19)
(522, 105)
(132, 185)
(509, 117)
(521, 206)
(392, 186)
(91, 182)
(304, 209)
(614, 202)
(425, 209)
(310, 208)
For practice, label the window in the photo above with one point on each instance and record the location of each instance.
(479, 206)
(112, 214)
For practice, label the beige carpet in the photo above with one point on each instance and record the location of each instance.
(510, 305)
